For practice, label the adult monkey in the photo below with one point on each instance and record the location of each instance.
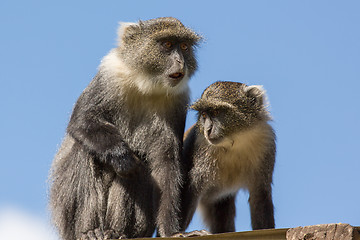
(117, 173)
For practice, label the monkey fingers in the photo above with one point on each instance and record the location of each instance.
(196, 233)
(98, 234)
(112, 234)
(92, 235)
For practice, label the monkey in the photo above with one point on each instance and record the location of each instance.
(117, 173)
(232, 146)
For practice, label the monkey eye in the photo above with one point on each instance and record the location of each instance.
(167, 44)
(203, 115)
(184, 46)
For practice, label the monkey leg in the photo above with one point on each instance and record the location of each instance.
(90, 220)
(130, 206)
(261, 208)
(219, 215)
(110, 206)
(188, 204)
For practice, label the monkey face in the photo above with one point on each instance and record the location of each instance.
(227, 108)
(172, 61)
(214, 126)
(210, 128)
(161, 50)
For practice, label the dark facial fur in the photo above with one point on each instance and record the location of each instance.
(118, 170)
(231, 147)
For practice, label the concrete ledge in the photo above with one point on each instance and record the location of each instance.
(338, 231)
(325, 231)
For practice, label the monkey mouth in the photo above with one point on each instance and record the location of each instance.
(214, 141)
(219, 141)
(177, 75)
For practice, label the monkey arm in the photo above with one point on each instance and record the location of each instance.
(103, 139)
(165, 163)
(189, 194)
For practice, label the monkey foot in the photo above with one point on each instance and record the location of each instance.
(98, 234)
(195, 233)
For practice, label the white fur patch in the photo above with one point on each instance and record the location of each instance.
(155, 85)
(112, 64)
(125, 77)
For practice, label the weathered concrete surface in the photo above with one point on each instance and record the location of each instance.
(315, 232)
(323, 232)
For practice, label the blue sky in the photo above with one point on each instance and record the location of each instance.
(306, 54)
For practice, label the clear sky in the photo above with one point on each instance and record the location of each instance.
(305, 53)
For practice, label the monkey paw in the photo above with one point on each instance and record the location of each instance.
(125, 164)
(98, 234)
(195, 233)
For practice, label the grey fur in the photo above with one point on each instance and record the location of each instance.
(118, 170)
(231, 147)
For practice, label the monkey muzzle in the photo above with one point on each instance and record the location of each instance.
(176, 78)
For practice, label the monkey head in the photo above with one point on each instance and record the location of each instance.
(160, 50)
(226, 108)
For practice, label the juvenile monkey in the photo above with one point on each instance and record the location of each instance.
(117, 173)
(231, 147)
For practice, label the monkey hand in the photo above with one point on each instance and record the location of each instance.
(123, 161)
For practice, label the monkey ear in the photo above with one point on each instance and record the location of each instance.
(127, 30)
(257, 92)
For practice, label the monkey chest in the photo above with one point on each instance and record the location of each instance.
(148, 132)
(238, 166)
